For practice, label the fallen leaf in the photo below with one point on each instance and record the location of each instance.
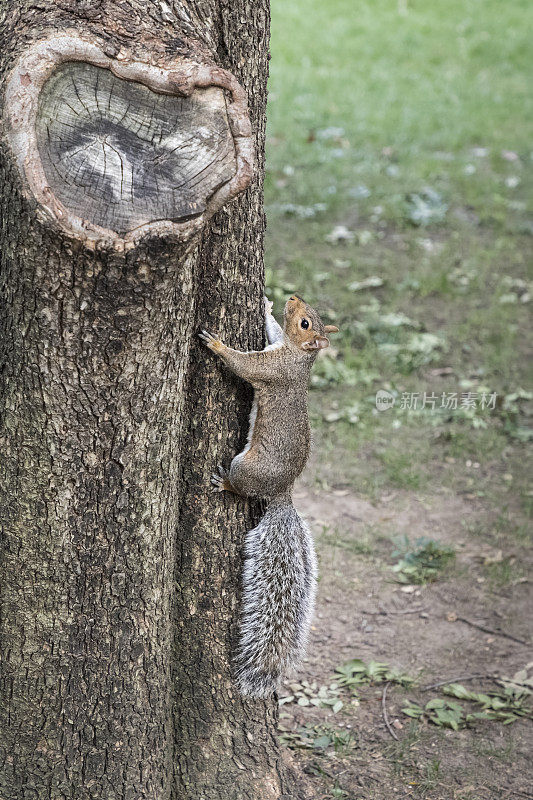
(367, 283)
(340, 233)
(495, 558)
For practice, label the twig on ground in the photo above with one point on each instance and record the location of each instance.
(492, 631)
(384, 711)
(384, 613)
(456, 680)
(487, 677)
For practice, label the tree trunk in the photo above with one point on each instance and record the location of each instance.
(120, 570)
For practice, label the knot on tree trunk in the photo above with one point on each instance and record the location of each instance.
(114, 150)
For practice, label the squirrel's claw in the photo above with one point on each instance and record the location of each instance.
(220, 480)
(218, 483)
(213, 342)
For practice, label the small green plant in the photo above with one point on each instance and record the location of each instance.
(515, 406)
(505, 704)
(425, 207)
(356, 673)
(440, 712)
(422, 561)
(317, 737)
(337, 793)
(332, 370)
(418, 350)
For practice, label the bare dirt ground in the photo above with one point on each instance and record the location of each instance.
(362, 612)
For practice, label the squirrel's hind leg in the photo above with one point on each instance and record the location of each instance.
(221, 481)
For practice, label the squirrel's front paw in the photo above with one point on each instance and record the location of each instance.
(268, 305)
(220, 480)
(211, 341)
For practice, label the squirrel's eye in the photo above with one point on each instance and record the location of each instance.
(305, 324)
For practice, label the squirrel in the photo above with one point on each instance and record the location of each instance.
(280, 569)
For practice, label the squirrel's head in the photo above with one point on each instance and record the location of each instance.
(304, 327)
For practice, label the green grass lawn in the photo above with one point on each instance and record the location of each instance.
(398, 197)
(399, 152)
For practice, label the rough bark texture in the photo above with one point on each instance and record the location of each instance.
(120, 571)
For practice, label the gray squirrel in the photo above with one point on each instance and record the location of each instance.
(280, 570)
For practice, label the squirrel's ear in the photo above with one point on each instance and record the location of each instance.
(331, 329)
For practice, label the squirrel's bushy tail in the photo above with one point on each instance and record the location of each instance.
(279, 587)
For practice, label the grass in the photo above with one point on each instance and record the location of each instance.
(399, 201)
(425, 85)
(374, 112)
(336, 540)
(502, 573)
(400, 470)
(421, 561)
(503, 754)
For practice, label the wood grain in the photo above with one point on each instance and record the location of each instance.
(120, 155)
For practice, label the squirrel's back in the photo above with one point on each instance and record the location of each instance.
(278, 444)
(279, 587)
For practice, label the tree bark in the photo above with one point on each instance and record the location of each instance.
(120, 570)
